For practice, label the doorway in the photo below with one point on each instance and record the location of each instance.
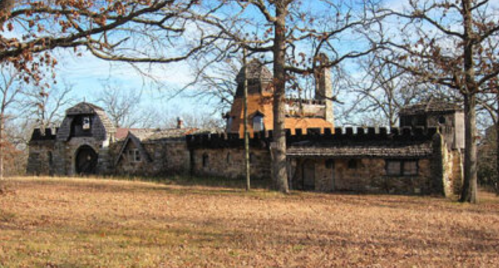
(86, 161)
(308, 175)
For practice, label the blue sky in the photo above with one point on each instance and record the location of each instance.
(88, 75)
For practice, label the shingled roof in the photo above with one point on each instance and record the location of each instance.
(83, 108)
(391, 149)
(255, 71)
(430, 107)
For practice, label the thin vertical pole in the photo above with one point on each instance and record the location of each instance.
(246, 134)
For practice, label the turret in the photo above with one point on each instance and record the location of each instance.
(324, 87)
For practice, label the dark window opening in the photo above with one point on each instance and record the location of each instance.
(393, 168)
(205, 160)
(229, 158)
(353, 164)
(252, 158)
(81, 126)
(51, 158)
(329, 163)
(441, 120)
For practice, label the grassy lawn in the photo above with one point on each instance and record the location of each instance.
(67, 222)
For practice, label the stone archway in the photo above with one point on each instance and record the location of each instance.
(86, 160)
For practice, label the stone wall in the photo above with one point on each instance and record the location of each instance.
(70, 148)
(229, 163)
(367, 175)
(41, 158)
(164, 157)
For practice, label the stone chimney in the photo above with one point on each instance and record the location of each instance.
(324, 87)
(180, 123)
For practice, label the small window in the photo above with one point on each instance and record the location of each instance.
(402, 167)
(353, 164)
(410, 168)
(229, 123)
(258, 122)
(393, 168)
(205, 160)
(86, 123)
(133, 155)
(137, 157)
(229, 158)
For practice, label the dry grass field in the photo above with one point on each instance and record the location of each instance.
(63, 222)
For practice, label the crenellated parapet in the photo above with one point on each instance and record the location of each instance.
(49, 135)
(348, 134)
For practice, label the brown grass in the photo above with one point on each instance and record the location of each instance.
(61, 222)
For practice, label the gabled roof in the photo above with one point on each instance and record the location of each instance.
(136, 141)
(83, 108)
(140, 136)
(146, 134)
(432, 106)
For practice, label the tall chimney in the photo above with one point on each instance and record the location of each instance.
(180, 123)
(324, 86)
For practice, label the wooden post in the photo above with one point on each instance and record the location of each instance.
(245, 114)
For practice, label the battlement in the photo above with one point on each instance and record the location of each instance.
(348, 134)
(50, 134)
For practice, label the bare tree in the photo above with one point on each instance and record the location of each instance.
(217, 84)
(45, 105)
(383, 90)
(290, 35)
(488, 104)
(453, 44)
(121, 104)
(10, 92)
(128, 30)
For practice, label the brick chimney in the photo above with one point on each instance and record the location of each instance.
(324, 87)
(180, 123)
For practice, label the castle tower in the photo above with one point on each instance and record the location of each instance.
(447, 116)
(300, 114)
(324, 87)
(260, 117)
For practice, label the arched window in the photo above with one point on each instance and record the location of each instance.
(258, 122)
(205, 160)
(229, 123)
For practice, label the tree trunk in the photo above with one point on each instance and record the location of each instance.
(496, 184)
(279, 136)
(1, 153)
(246, 133)
(470, 186)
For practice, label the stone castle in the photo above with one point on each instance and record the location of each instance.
(423, 156)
